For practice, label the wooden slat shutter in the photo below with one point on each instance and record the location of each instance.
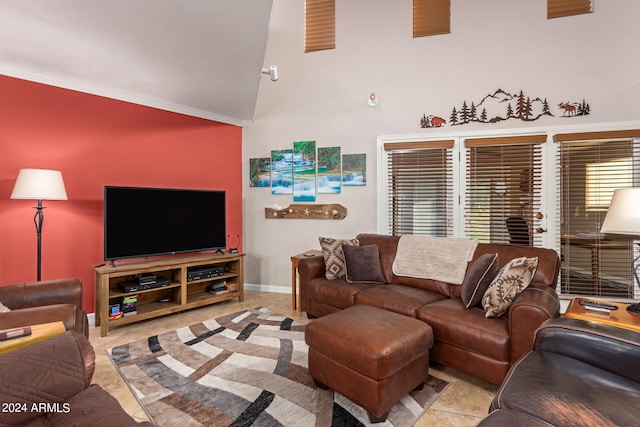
(420, 188)
(560, 8)
(431, 17)
(319, 25)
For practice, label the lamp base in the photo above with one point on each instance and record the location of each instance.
(634, 308)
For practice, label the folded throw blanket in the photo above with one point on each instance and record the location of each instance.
(438, 258)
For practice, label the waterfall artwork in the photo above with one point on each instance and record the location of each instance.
(259, 172)
(354, 169)
(282, 171)
(304, 171)
(329, 170)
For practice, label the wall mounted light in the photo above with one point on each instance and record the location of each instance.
(272, 71)
(373, 100)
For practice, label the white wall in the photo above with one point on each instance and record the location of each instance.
(493, 44)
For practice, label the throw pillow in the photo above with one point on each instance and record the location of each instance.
(478, 278)
(4, 308)
(514, 277)
(334, 256)
(362, 263)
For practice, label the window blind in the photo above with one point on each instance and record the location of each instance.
(319, 25)
(592, 165)
(560, 8)
(420, 188)
(503, 188)
(431, 17)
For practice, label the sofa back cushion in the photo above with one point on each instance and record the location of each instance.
(546, 274)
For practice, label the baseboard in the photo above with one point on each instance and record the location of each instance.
(268, 288)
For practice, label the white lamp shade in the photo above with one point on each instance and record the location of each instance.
(623, 216)
(39, 184)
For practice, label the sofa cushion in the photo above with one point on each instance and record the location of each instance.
(334, 256)
(467, 328)
(336, 293)
(565, 391)
(511, 280)
(478, 278)
(399, 299)
(362, 263)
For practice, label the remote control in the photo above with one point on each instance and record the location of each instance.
(592, 304)
(601, 310)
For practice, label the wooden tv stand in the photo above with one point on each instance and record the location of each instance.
(183, 294)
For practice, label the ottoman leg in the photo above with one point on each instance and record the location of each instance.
(379, 419)
(319, 384)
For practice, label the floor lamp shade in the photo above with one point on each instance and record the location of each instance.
(39, 184)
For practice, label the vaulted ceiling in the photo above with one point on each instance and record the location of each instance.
(197, 57)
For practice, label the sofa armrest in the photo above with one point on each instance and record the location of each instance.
(309, 269)
(49, 371)
(536, 304)
(36, 294)
(606, 347)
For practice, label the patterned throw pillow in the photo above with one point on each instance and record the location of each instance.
(335, 267)
(3, 308)
(514, 277)
(478, 278)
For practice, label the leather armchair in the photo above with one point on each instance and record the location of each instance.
(48, 383)
(579, 373)
(43, 302)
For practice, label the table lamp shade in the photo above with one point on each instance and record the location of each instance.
(623, 216)
(39, 184)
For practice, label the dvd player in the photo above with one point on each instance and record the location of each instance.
(136, 286)
(207, 272)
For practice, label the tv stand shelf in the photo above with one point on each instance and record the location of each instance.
(182, 293)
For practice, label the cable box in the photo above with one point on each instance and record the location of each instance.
(136, 286)
(206, 272)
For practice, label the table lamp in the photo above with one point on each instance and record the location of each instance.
(623, 219)
(39, 184)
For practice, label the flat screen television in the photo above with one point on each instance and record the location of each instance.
(141, 222)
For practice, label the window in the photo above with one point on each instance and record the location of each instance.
(431, 17)
(592, 165)
(504, 180)
(604, 177)
(420, 188)
(319, 25)
(560, 8)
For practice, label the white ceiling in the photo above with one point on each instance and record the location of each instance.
(197, 57)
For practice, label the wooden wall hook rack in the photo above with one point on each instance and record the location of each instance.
(307, 211)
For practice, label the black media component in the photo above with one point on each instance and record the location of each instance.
(137, 286)
(206, 272)
(141, 222)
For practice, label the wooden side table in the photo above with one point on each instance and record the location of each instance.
(620, 317)
(295, 260)
(38, 333)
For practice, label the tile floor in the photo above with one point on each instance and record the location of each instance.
(464, 403)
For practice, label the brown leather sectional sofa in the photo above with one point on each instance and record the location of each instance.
(463, 337)
(44, 302)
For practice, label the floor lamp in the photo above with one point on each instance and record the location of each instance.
(39, 184)
(623, 219)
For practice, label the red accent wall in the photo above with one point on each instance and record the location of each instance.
(97, 141)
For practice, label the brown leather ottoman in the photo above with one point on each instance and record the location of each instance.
(372, 356)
